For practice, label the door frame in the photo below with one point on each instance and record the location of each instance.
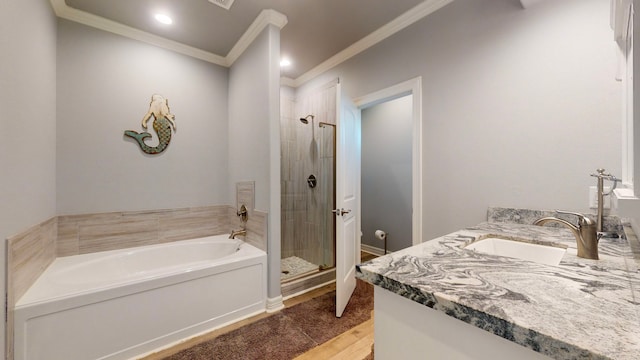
(409, 87)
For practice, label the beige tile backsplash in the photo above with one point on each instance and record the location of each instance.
(124, 232)
(245, 195)
(81, 234)
(194, 224)
(256, 225)
(30, 252)
(28, 255)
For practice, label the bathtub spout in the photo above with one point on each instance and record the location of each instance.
(235, 233)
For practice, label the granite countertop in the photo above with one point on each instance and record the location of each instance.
(580, 309)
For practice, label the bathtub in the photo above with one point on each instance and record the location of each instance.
(122, 303)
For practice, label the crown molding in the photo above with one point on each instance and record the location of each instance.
(267, 17)
(528, 3)
(264, 19)
(62, 10)
(620, 19)
(287, 81)
(409, 17)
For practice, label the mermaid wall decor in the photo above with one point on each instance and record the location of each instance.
(163, 121)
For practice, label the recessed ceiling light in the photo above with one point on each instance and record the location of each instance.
(284, 62)
(165, 19)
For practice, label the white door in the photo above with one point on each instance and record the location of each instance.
(347, 192)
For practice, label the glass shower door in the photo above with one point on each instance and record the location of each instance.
(328, 184)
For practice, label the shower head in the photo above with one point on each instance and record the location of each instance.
(305, 120)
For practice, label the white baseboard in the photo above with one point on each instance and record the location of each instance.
(373, 250)
(275, 304)
(307, 290)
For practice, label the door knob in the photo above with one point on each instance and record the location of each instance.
(340, 212)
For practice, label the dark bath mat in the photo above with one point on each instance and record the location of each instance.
(285, 335)
(323, 325)
(275, 337)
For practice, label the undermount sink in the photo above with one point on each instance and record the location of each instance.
(543, 254)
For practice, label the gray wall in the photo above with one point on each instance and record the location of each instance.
(248, 119)
(105, 82)
(222, 116)
(519, 106)
(28, 136)
(386, 173)
(254, 135)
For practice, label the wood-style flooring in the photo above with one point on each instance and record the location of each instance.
(354, 344)
(365, 256)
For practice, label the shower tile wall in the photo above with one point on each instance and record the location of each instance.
(307, 223)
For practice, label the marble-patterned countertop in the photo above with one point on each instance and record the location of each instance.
(580, 309)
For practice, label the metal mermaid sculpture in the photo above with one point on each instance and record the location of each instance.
(163, 120)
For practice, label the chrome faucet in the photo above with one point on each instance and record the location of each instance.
(585, 233)
(235, 233)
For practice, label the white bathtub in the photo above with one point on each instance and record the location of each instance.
(122, 303)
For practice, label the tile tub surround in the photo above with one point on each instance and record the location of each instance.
(256, 227)
(28, 255)
(87, 233)
(30, 252)
(580, 309)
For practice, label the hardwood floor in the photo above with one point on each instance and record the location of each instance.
(354, 344)
(366, 256)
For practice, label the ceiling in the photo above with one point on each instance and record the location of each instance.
(315, 31)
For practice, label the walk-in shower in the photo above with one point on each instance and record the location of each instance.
(308, 196)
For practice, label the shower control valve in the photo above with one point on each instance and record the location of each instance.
(242, 213)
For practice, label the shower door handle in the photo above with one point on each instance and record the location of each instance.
(340, 212)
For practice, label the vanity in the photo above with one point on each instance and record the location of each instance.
(453, 298)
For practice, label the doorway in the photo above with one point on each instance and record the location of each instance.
(302, 141)
(308, 188)
(386, 176)
(411, 201)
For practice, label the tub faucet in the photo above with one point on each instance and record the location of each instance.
(235, 233)
(585, 233)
